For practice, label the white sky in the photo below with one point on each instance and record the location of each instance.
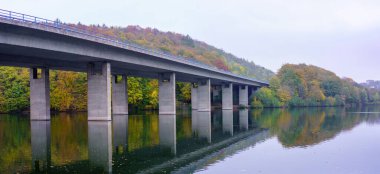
(339, 35)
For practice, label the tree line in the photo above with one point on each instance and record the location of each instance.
(307, 85)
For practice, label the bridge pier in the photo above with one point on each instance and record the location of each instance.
(243, 95)
(194, 97)
(227, 100)
(99, 91)
(166, 94)
(119, 95)
(39, 94)
(204, 95)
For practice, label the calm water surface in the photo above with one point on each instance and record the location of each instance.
(313, 140)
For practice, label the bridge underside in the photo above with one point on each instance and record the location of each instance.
(10, 56)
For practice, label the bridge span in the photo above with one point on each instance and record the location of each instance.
(42, 44)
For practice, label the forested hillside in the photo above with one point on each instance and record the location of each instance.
(185, 46)
(307, 85)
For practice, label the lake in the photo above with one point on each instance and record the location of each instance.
(303, 140)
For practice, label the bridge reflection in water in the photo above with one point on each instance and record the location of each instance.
(153, 143)
(160, 143)
(40, 132)
(100, 145)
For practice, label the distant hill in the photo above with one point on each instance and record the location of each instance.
(185, 46)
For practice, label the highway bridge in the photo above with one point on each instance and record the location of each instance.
(42, 44)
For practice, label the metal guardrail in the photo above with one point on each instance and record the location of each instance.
(19, 17)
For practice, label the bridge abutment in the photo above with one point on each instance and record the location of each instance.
(204, 95)
(39, 94)
(194, 97)
(166, 94)
(227, 96)
(99, 91)
(243, 95)
(119, 95)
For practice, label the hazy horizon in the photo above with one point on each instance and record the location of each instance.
(340, 36)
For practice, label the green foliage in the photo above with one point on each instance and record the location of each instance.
(303, 85)
(68, 91)
(267, 97)
(256, 103)
(183, 92)
(14, 89)
(331, 87)
(142, 92)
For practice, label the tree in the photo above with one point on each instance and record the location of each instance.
(274, 84)
(267, 98)
(363, 96)
(331, 87)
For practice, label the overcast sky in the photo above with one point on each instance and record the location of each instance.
(339, 35)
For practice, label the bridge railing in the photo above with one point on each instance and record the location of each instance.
(57, 24)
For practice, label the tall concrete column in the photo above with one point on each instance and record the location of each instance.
(119, 95)
(227, 100)
(243, 95)
(167, 132)
(204, 96)
(100, 146)
(194, 97)
(39, 94)
(41, 152)
(166, 95)
(99, 91)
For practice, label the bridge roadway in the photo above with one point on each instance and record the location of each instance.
(41, 44)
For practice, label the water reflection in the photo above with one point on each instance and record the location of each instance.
(131, 144)
(40, 140)
(228, 121)
(243, 119)
(310, 126)
(201, 124)
(100, 146)
(167, 133)
(120, 133)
